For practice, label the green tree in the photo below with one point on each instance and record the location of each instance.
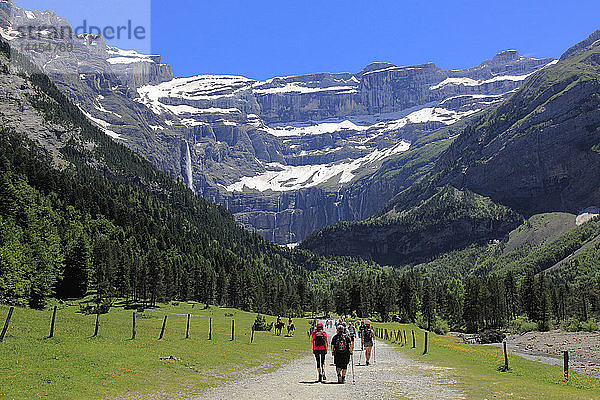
(455, 302)
(428, 303)
(472, 306)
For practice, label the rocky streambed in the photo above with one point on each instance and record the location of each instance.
(548, 348)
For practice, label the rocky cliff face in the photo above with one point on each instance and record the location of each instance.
(287, 155)
(290, 155)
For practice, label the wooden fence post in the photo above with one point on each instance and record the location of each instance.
(413, 336)
(52, 323)
(162, 331)
(252, 337)
(505, 368)
(97, 323)
(425, 349)
(210, 329)
(10, 312)
(566, 364)
(133, 327)
(404, 332)
(232, 330)
(187, 328)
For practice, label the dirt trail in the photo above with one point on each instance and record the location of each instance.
(390, 376)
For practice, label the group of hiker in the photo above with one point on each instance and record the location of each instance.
(342, 345)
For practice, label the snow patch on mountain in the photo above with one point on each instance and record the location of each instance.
(103, 125)
(426, 115)
(473, 82)
(587, 215)
(383, 123)
(202, 87)
(9, 34)
(319, 128)
(118, 56)
(127, 60)
(281, 178)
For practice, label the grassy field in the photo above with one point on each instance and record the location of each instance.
(73, 365)
(476, 369)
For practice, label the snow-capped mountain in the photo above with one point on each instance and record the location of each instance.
(287, 155)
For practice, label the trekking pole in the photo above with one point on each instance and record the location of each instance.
(352, 359)
(360, 358)
(373, 352)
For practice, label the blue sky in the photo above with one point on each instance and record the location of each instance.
(264, 38)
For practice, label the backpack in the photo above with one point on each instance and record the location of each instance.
(341, 345)
(319, 340)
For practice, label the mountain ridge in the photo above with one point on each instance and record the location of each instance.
(509, 153)
(286, 155)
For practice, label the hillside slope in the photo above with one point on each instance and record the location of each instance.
(447, 220)
(539, 150)
(79, 212)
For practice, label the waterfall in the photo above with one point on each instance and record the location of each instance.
(278, 209)
(290, 234)
(188, 166)
(338, 201)
(360, 209)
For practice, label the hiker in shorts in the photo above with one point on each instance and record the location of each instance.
(319, 345)
(341, 349)
(367, 340)
(352, 332)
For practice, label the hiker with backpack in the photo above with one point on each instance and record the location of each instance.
(367, 340)
(319, 345)
(341, 349)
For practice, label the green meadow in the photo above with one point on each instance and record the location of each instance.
(75, 365)
(476, 369)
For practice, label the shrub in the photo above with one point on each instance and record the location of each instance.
(440, 326)
(543, 326)
(589, 326)
(573, 324)
(89, 309)
(521, 325)
(491, 336)
(260, 324)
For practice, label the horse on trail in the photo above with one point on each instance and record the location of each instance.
(278, 328)
(291, 329)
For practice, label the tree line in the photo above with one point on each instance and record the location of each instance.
(471, 304)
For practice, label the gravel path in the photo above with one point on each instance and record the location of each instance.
(391, 376)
